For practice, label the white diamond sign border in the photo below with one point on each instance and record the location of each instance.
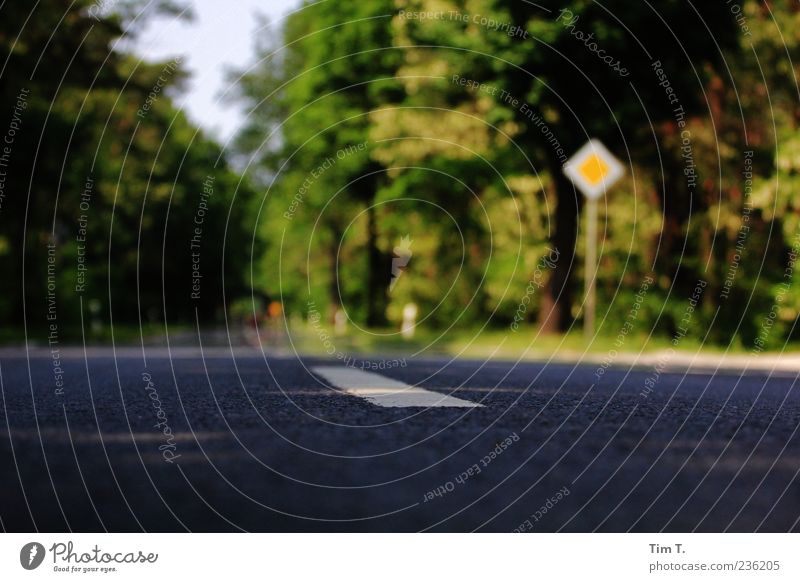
(615, 169)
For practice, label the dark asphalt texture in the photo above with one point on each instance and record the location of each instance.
(263, 445)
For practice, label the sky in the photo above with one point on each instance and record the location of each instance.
(219, 37)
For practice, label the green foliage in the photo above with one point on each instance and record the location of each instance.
(373, 133)
(107, 170)
(467, 127)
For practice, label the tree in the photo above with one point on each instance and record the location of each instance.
(105, 177)
(489, 100)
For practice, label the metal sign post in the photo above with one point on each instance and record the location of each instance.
(591, 266)
(593, 170)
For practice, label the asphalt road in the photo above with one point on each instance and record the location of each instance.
(220, 443)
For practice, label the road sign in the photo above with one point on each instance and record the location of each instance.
(593, 169)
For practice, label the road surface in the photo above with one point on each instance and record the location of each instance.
(213, 441)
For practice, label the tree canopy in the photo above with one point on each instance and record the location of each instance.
(113, 202)
(468, 109)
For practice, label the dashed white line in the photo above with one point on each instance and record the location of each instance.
(385, 391)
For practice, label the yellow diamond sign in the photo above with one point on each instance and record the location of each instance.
(593, 169)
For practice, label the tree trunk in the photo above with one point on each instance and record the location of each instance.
(377, 275)
(555, 313)
(334, 297)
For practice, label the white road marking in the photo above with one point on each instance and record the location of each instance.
(385, 391)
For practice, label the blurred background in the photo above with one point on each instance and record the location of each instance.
(275, 171)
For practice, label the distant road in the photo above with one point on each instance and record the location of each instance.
(221, 443)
